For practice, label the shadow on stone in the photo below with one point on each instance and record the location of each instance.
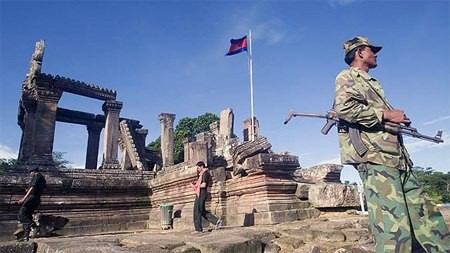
(46, 226)
(177, 214)
(249, 218)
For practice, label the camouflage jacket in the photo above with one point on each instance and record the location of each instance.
(357, 102)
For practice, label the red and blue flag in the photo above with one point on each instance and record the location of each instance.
(237, 46)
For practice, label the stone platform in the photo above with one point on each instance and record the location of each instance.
(343, 232)
(346, 234)
(93, 201)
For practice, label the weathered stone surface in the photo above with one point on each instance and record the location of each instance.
(321, 235)
(167, 138)
(186, 249)
(229, 244)
(274, 165)
(333, 195)
(288, 244)
(308, 248)
(219, 174)
(111, 137)
(133, 148)
(92, 200)
(250, 131)
(46, 225)
(302, 191)
(355, 234)
(17, 247)
(319, 173)
(249, 149)
(281, 238)
(266, 196)
(226, 124)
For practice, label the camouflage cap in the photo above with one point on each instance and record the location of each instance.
(355, 42)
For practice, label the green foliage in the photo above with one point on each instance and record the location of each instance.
(186, 128)
(156, 144)
(436, 184)
(6, 164)
(58, 158)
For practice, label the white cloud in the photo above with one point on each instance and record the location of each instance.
(334, 160)
(271, 32)
(305, 154)
(6, 152)
(76, 166)
(275, 31)
(437, 120)
(341, 2)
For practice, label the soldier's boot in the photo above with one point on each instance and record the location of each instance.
(25, 237)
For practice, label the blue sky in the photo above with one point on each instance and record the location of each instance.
(168, 56)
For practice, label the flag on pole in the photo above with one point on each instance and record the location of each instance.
(237, 46)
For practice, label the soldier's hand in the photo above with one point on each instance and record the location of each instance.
(396, 116)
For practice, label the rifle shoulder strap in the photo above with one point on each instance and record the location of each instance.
(400, 137)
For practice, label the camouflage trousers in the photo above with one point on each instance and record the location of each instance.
(400, 213)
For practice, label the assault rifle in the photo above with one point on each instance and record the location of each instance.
(392, 128)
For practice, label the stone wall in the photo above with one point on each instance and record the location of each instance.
(266, 195)
(92, 200)
(322, 187)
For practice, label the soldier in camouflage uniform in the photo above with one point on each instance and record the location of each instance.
(402, 217)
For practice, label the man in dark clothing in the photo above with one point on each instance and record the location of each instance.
(201, 191)
(31, 201)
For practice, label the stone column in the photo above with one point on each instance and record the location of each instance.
(141, 135)
(126, 161)
(226, 123)
(248, 129)
(44, 128)
(167, 138)
(186, 142)
(111, 135)
(214, 127)
(94, 129)
(27, 125)
(198, 151)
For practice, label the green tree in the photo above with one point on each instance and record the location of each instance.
(60, 161)
(156, 144)
(186, 128)
(58, 157)
(6, 164)
(435, 183)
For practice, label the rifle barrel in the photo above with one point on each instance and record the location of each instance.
(436, 139)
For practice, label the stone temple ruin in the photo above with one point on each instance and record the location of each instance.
(252, 185)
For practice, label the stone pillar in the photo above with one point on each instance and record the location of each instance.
(167, 138)
(186, 142)
(226, 123)
(27, 125)
(141, 135)
(126, 161)
(94, 129)
(198, 151)
(207, 138)
(44, 128)
(248, 129)
(111, 135)
(214, 127)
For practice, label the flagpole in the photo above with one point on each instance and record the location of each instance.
(250, 68)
